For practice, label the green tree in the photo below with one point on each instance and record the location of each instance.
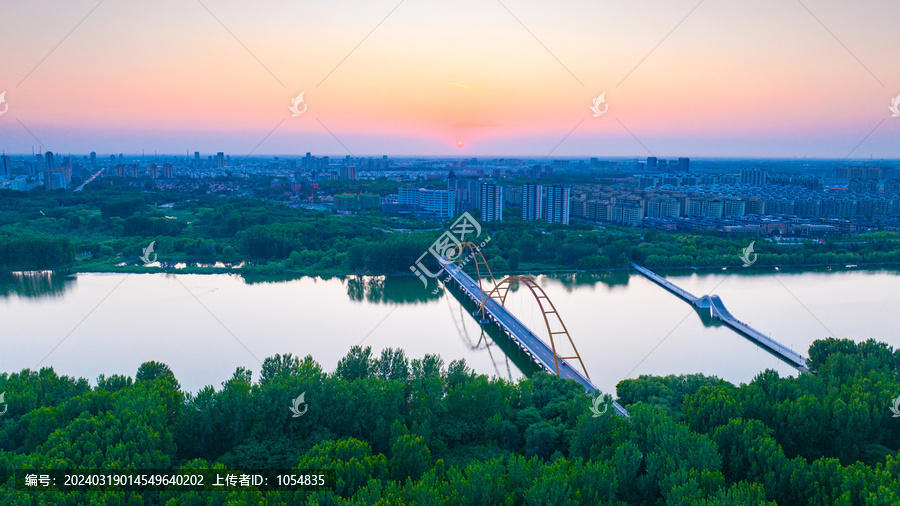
(515, 256)
(410, 458)
(149, 371)
(357, 364)
(279, 366)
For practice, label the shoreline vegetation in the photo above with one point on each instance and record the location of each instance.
(98, 229)
(254, 270)
(400, 431)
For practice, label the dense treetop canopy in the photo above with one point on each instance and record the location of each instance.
(400, 431)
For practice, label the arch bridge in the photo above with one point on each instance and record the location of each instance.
(492, 310)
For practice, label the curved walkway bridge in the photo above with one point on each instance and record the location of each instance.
(718, 311)
(539, 352)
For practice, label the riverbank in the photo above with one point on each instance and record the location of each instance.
(275, 269)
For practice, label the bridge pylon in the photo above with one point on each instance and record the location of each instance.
(481, 267)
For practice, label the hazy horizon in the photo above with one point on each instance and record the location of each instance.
(483, 157)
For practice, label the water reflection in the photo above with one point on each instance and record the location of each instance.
(389, 290)
(505, 355)
(705, 315)
(35, 284)
(254, 279)
(573, 280)
(376, 289)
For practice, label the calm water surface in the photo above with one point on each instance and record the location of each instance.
(204, 326)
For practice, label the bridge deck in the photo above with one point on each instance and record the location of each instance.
(665, 283)
(720, 312)
(523, 337)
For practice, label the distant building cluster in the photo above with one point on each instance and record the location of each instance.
(667, 194)
(47, 170)
(631, 207)
(750, 200)
(733, 201)
(489, 196)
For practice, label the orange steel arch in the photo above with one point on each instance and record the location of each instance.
(480, 263)
(540, 296)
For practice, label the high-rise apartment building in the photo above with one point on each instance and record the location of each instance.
(55, 179)
(663, 207)
(557, 204)
(5, 166)
(532, 201)
(754, 176)
(491, 201)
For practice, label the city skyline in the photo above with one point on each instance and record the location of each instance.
(237, 158)
(516, 79)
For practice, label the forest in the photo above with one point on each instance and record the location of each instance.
(401, 431)
(106, 229)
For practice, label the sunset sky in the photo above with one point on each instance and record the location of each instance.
(734, 79)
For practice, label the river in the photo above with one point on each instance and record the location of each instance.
(204, 326)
